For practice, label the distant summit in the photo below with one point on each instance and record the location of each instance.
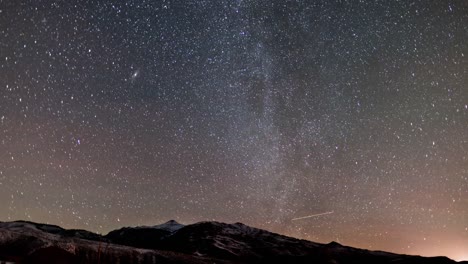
(170, 226)
(172, 242)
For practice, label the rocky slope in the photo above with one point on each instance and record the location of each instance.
(171, 242)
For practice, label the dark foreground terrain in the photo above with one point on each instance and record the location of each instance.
(205, 242)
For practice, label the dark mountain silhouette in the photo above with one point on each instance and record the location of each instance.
(43, 256)
(171, 242)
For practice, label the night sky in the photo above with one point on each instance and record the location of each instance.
(257, 111)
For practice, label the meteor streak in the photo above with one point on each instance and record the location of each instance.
(310, 216)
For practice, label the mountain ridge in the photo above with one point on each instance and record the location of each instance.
(172, 242)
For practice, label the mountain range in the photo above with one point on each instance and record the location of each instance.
(171, 242)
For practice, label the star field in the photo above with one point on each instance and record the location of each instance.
(130, 113)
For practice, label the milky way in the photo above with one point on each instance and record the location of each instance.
(124, 114)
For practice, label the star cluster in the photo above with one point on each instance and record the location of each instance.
(118, 113)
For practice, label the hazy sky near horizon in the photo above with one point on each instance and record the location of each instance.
(125, 113)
